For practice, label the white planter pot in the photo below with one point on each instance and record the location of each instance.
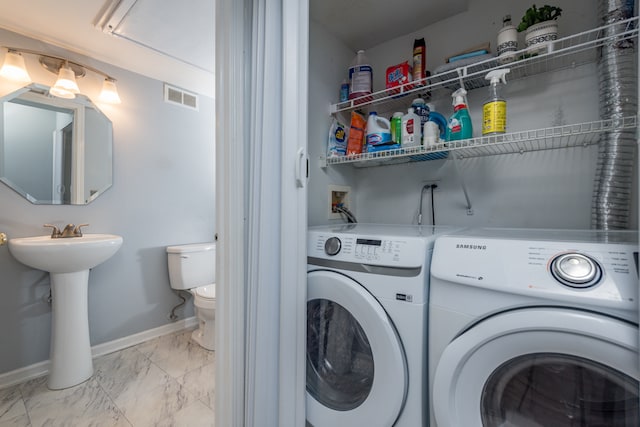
(540, 37)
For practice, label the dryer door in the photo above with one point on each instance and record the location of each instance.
(540, 367)
(356, 367)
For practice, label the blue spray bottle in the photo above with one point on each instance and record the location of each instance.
(459, 126)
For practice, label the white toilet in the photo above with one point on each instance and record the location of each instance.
(193, 268)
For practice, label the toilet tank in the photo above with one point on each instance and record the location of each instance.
(192, 265)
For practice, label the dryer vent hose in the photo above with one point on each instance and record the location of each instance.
(617, 72)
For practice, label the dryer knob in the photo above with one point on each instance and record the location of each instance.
(332, 246)
(576, 270)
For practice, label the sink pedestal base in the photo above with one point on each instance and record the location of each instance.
(68, 261)
(71, 361)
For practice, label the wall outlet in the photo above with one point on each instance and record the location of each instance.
(339, 195)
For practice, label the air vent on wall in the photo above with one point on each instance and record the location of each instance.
(181, 97)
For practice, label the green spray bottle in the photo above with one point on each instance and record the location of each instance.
(494, 110)
(459, 126)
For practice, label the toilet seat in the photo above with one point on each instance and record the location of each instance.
(207, 291)
(205, 296)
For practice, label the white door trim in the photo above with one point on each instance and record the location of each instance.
(293, 292)
(231, 89)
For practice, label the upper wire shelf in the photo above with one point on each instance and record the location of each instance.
(576, 135)
(566, 52)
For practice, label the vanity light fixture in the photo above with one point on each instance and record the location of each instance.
(14, 68)
(68, 72)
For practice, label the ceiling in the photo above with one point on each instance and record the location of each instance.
(182, 30)
(167, 40)
(362, 24)
(173, 41)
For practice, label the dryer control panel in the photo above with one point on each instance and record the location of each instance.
(576, 270)
(597, 272)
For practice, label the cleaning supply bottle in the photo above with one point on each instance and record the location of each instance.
(507, 43)
(411, 133)
(422, 110)
(419, 60)
(459, 126)
(378, 133)
(360, 76)
(344, 91)
(396, 127)
(494, 110)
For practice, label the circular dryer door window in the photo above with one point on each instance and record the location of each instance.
(356, 368)
(540, 367)
(559, 390)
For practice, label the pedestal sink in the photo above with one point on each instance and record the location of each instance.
(68, 261)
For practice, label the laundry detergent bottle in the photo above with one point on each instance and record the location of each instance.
(459, 126)
(378, 133)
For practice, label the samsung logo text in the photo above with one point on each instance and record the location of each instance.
(472, 247)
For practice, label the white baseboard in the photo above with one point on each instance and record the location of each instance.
(140, 337)
(39, 369)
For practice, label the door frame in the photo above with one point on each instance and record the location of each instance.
(244, 392)
(231, 89)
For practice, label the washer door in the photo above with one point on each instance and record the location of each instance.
(356, 367)
(540, 367)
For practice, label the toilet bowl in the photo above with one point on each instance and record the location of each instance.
(193, 268)
(205, 305)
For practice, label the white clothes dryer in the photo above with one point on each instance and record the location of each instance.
(366, 325)
(534, 328)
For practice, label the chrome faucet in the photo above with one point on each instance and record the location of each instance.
(69, 231)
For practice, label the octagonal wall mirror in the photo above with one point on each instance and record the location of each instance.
(54, 151)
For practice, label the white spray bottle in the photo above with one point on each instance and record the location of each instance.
(494, 110)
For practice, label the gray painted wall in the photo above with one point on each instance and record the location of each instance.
(547, 189)
(163, 194)
(327, 59)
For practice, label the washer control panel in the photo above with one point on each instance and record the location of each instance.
(390, 251)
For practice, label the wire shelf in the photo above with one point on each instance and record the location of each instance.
(553, 138)
(563, 53)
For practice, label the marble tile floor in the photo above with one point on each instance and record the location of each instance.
(167, 381)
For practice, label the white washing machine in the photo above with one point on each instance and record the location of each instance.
(534, 328)
(366, 325)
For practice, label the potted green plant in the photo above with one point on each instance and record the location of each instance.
(540, 26)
